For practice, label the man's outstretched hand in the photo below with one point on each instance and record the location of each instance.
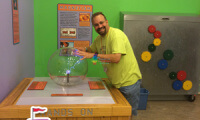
(84, 54)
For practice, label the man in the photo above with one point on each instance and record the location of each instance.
(112, 46)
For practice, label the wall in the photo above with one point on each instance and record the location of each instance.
(16, 61)
(46, 22)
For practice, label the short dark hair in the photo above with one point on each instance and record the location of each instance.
(98, 13)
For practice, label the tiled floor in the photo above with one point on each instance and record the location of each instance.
(170, 110)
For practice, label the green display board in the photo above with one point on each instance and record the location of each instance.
(45, 23)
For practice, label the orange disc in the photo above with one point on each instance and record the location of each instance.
(146, 56)
(187, 85)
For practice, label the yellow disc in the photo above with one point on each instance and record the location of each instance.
(156, 41)
(187, 85)
(146, 56)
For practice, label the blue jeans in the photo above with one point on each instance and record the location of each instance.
(132, 94)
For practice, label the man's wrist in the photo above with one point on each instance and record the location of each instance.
(94, 58)
(95, 55)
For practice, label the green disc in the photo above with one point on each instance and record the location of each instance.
(172, 75)
(168, 55)
(151, 47)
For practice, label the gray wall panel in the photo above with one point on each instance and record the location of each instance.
(181, 34)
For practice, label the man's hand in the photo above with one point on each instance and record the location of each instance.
(85, 54)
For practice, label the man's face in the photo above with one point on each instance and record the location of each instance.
(100, 25)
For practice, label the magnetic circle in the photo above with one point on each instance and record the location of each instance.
(181, 75)
(168, 55)
(157, 34)
(156, 41)
(177, 85)
(172, 75)
(151, 28)
(151, 47)
(187, 85)
(146, 56)
(162, 64)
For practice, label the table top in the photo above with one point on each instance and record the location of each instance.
(10, 108)
(41, 97)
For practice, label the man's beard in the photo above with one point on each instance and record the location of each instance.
(102, 33)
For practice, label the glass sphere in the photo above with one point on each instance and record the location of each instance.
(66, 68)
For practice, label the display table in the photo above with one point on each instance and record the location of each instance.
(107, 104)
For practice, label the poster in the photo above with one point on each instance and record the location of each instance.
(74, 25)
(15, 22)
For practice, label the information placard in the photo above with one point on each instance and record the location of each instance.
(74, 25)
(15, 21)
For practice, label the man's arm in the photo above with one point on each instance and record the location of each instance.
(88, 49)
(114, 58)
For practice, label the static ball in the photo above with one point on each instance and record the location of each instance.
(66, 68)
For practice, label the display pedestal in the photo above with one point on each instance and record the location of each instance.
(12, 108)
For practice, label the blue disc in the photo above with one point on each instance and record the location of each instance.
(162, 64)
(177, 85)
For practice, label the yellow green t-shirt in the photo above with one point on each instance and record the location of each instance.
(126, 72)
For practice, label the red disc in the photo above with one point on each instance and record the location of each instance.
(157, 34)
(152, 29)
(181, 75)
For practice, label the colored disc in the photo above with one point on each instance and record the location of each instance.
(156, 41)
(162, 64)
(151, 47)
(152, 28)
(177, 85)
(181, 75)
(172, 75)
(146, 56)
(187, 85)
(157, 34)
(168, 55)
